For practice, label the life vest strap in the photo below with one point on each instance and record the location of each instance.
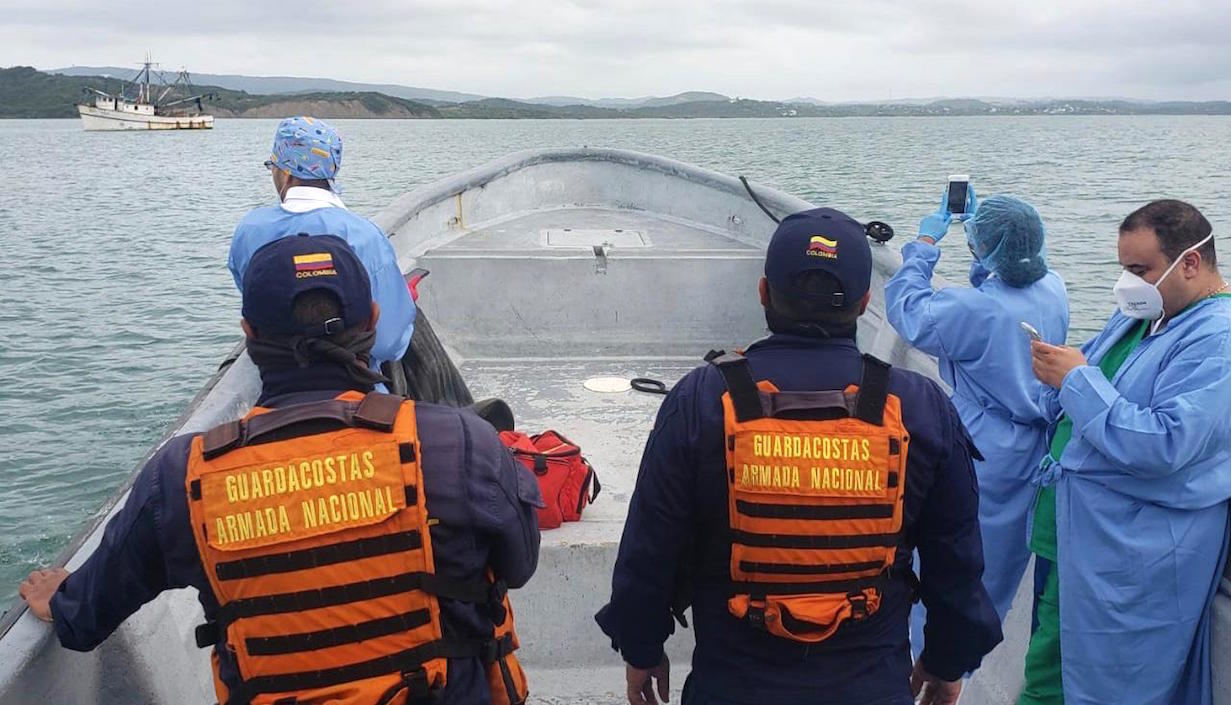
(319, 556)
(474, 591)
(325, 638)
(745, 396)
(408, 662)
(759, 590)
(873, 391)
(817, 541)
(375, 411)
(764, 510)
(805, 569)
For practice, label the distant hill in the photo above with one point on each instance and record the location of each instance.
(28, 93)
(285, 84)
(628, 103)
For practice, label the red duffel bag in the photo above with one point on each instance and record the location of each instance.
(566, 479)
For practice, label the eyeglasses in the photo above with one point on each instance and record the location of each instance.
(270, 164)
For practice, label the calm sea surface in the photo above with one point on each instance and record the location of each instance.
(117, 305)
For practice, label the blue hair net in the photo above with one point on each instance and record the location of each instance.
(1006, 235)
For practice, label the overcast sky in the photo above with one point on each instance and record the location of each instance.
(770, 49)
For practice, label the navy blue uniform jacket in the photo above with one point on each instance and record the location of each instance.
(483, 498)
(681, 497)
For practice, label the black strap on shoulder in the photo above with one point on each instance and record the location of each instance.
(222, 438)
(740, 385)
(378, 411)
(873, 391)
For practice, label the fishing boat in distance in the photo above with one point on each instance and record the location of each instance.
(136, 107)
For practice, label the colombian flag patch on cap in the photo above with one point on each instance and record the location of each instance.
(822, 246)
(314, 265)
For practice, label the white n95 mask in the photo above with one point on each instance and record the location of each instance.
(1138, 298)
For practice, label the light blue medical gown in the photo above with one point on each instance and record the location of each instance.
(1141, 511)
(984, 357)
(397, 310)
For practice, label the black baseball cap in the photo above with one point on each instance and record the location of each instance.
(287, 267)
(822, 239)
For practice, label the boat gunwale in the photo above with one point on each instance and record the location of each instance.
(403, 208)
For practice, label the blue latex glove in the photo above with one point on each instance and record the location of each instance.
(936, 225)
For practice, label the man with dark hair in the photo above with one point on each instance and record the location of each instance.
(304, 164)
(305, 526)
(771, 498)
(1135, 487)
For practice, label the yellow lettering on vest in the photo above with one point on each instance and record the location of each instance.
(284, 521)
(318, 466)
(220, 530)
(335, 510)
(258, 524)
(267, 481)
(292, 480)
(379, 506)
(309, 515)
(756, 444)
(232, 493)
(318, 473)
(388, 499)
(242, 485)
(355, 472)
(867, 449)
(365, 504)
(322, 510)
(331, 472)
(369, 467)
(244, 522)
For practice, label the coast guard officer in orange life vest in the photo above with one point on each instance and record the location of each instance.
(781, 493)
(348, 547)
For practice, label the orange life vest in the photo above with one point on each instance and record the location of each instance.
(312, 527)
(816, 487)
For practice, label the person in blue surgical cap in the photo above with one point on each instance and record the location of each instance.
(304, 164)
(1136, 483)
(984, 357)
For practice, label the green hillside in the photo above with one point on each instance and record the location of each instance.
(28, 93)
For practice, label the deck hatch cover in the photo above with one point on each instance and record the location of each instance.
(588, 238)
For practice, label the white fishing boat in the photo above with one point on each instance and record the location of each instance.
(136, 107)
(548, 268)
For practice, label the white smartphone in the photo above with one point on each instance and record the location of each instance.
(1031, 331)
(956, 193)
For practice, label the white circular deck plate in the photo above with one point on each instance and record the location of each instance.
(607, 385)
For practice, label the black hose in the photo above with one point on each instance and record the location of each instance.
(752, 194)
(647, 385)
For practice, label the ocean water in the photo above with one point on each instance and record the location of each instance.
(116, 304)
